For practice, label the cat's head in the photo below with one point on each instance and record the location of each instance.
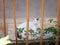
(36, 22)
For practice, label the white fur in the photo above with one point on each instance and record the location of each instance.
(32, 25)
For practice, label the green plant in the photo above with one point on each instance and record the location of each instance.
(50, 20)
(50, 29)
(20, 30)
(53, 31)
(31, 31)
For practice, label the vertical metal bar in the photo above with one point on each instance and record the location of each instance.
(14, 11)
(58, 22)
(4, 16)
(27, 19)
(42, 21)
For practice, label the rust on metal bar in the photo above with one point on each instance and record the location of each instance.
(27, 19)
(58, 16)
(4, 16)
(14, 12)
(42, 21)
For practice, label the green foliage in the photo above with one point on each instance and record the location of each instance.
(53, 30)
(35, 33)
(20, 30)
(50, 20)
(50, 29)
(47, 30)
(31, 31)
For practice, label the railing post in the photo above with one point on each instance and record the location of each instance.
(58, 22)
(14, 12)
(27, 19)
(42, 21)
(4, 16)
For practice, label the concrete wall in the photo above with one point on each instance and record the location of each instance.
(35, 8)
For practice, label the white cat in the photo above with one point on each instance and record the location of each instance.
(34, 25)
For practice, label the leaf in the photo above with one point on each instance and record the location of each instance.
(31, 31)
(50, 29)
(53, 30)
(50, 20)
(20, 30)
